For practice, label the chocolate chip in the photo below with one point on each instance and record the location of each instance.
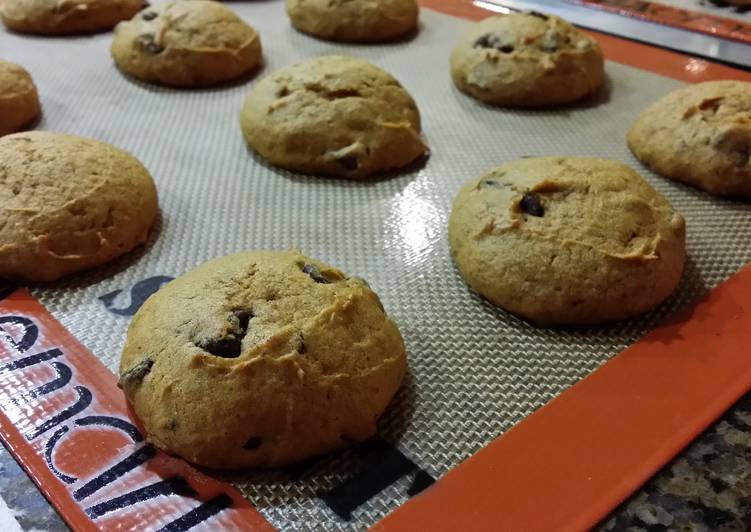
(243, 319)
(490, 40)
(301, 347)
(148, 44)
(148, 15)
(228, 347)
(537, 14)
(349, 163)
(315, 274)
(530, 204)
(136, 374)
(253, 443)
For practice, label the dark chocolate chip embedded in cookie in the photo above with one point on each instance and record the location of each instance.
(261, 359)
(527, 60)
(567, 240)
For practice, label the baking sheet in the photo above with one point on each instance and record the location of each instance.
(474, 369)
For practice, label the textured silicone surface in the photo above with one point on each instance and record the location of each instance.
(474, 370)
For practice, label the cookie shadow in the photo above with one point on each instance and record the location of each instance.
(677, 308)
(100, 273)
(404, 38)
(33, 124)
(157, 88)
(406, 173)
(314, 478)
(598, 98)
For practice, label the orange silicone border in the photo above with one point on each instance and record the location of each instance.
(725, 28)
(568, 464)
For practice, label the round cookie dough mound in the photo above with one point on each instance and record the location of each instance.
(527, 60)
(567, 240)
(700, 135)
(354, 20)
(189, 43)
(261, 359)
(62, 17)
(69, 204)
(19, 102)
(333, 115)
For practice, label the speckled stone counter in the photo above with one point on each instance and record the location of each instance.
(25, 501)
(707, 488)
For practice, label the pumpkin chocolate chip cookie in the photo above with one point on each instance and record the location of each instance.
(69, 204)
(354, 20)
(261, 359)
(19, 101)
(567, 240)
(527, 60)
(333, 115)
(188, 43)
(65, 17)
(701, 135)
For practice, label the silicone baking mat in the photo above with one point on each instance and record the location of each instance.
(475, 371)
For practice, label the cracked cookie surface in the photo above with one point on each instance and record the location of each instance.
(701, 135)
(567, 240)
(527, 60)
(69, 204)
(19, 101)
(188, 43)
(260, 359)
(333, 115)
(63, 17)
(354, 20)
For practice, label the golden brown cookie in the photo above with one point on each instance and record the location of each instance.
(69, 204)
(701, 135)
(527, 60)
(567, 240)
(261, 359)
(333, 115)
(19, 101)
(354, 20)
(186, 43)
(61, 17)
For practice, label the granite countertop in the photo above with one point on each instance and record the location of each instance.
(706, 488)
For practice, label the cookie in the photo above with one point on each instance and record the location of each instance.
(354, 20)
(572, 240)
(527, 60)
(69, 204)
(700, 135)
(333, 115)
(19, 101)
(261, 359)
(63, 17)
(188, 43)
